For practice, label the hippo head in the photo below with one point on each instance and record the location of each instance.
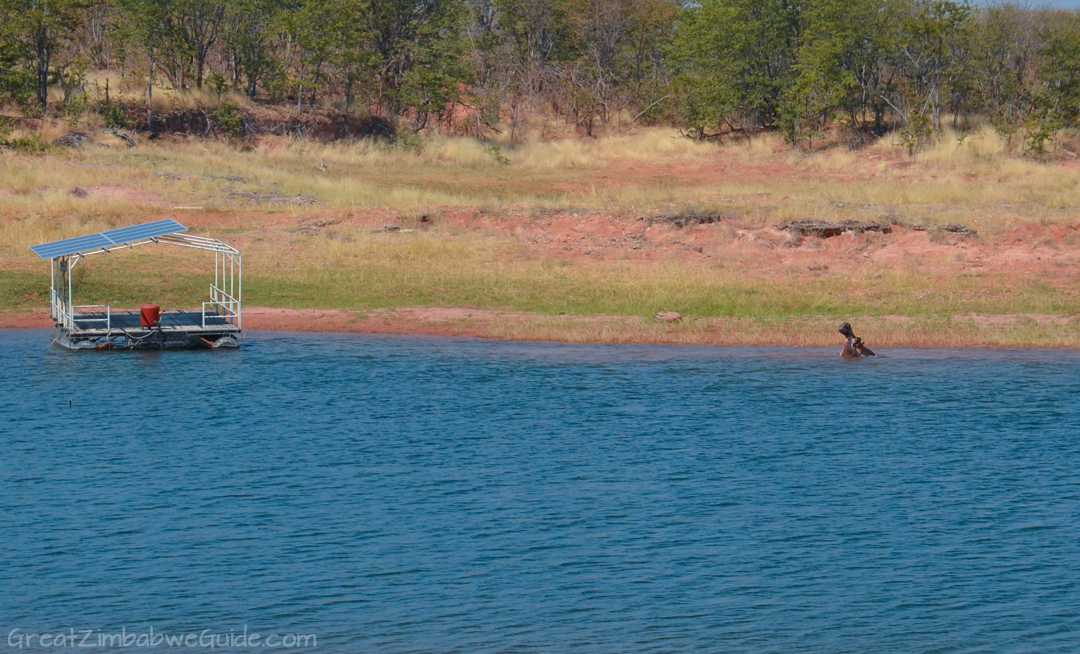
(845, 329)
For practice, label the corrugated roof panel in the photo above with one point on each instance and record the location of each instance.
(112, 237)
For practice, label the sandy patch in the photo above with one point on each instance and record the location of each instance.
(38, 319)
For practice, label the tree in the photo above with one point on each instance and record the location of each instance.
(517, 51)
(1005, 54)
(42, 28)
(650, 29)
(932, 33)
(1059, 72)
(198, 24)
(322, 31)
(17, 81)
(248, 32)
(145, 25)
(846, 64)
(593, 77)
(733, 62)
(416, 55)
(617, 44)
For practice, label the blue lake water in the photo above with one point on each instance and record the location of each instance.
(424, 495)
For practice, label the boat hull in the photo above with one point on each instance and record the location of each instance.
(151, 339)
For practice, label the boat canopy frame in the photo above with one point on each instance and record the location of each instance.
(226, 292)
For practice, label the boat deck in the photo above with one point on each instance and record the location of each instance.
(130, 321)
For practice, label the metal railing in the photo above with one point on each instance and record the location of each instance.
(106, 321)
(59, 310)
(223, 307)
(68, 317)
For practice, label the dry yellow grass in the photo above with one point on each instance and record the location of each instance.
(974, 180)
(977, 181)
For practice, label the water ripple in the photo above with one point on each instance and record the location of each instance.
(424, 495)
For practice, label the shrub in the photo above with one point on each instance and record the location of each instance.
(916, 132)
(1038, 134)
(218, 84)
(31, 144)
(496, 153)
(114, 116)
(76, 106)
(229, 121)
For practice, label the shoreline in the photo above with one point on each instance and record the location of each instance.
(959, 331)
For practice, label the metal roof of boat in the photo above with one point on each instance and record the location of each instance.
(109, 239)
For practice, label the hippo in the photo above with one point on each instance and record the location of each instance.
(853, 348)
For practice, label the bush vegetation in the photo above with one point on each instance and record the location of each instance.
(474, 67)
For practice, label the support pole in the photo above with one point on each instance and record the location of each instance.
(70, 311)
